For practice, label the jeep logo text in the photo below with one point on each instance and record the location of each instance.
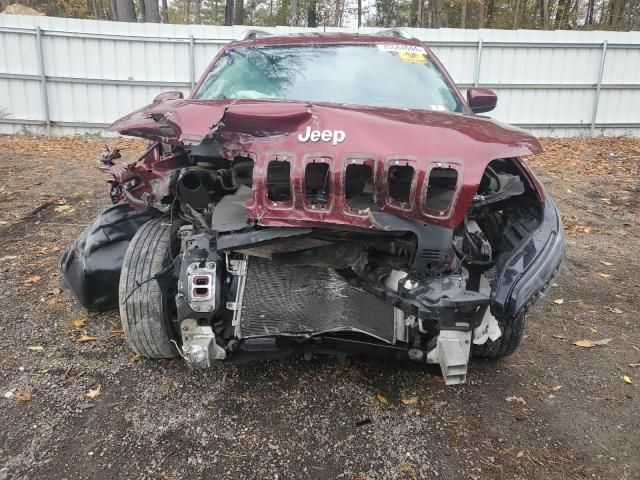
(333, 136)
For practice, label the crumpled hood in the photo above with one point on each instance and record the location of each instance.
(367, 129)
(337, 133)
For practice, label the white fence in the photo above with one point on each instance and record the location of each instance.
(65, 76)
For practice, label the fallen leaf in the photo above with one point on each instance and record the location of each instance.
(608, 264)
(32, 280)
(603, 275)
(593, 329)
(556, 388)
(23, 397)
(93, 393)
(117, 333)
(410, 400)
(584, 343)
(627, 379)
(62, 208)
(615, 310)
(513, 398)
(561, 337)
(382, 399)
(558, 301)
(86, 338)
(520, 454)
(4, 222)
(273, 447)
(35, 348)
(79, 322)
(604, 341)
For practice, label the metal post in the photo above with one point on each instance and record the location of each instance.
(476, 80)
(43, 80)
(598, 87)
(192, 65)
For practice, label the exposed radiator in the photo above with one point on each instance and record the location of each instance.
(308, 301)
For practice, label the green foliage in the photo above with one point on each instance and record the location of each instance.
(504, 14)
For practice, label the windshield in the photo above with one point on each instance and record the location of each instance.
(384, 75)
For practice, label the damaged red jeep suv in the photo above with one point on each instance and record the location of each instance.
(321, 193)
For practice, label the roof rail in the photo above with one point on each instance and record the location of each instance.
(394, 32)
(255, 33)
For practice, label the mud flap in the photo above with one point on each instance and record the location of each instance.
(91, 264)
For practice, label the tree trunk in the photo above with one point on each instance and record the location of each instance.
(481, 15)
(165, 11)
(186, 12)
(490, 7)
(360, 13)
(436, 13)
(463, 14)
(126, 11)
(515, 15)
(228, 13)
(197, 12)
(312, 14)
(590, 9)
(151, 11)
(239, 12)
(114, 10)
(545, 14)
(294, 13)
(524, 18)
(617, 13)
(562, 5)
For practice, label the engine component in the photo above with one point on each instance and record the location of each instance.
(201, 283)
(199, 345)
(194, 186)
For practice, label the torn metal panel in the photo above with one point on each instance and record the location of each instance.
(268, 131)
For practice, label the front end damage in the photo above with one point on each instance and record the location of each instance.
(310, 228)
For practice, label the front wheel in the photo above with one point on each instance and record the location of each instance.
(512, 330)
(145, 313)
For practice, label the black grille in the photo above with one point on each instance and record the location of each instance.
(308, 301)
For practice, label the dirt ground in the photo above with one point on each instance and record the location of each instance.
(75, 402)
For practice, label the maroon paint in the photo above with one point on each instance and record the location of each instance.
(381, 137)
(481, 100)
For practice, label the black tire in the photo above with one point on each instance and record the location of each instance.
(145, 314)
(512, 330)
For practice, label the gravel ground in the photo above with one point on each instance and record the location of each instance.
(76, 403)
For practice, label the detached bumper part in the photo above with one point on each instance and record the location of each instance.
(452, 352)
(91, 265)
(527, 274)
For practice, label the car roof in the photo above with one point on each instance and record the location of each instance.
(257, 38)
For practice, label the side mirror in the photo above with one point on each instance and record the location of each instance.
(481, 100)
(172, 95)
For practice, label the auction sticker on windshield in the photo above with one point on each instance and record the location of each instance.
(406, 53)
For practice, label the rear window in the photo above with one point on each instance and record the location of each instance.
(385, 75)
